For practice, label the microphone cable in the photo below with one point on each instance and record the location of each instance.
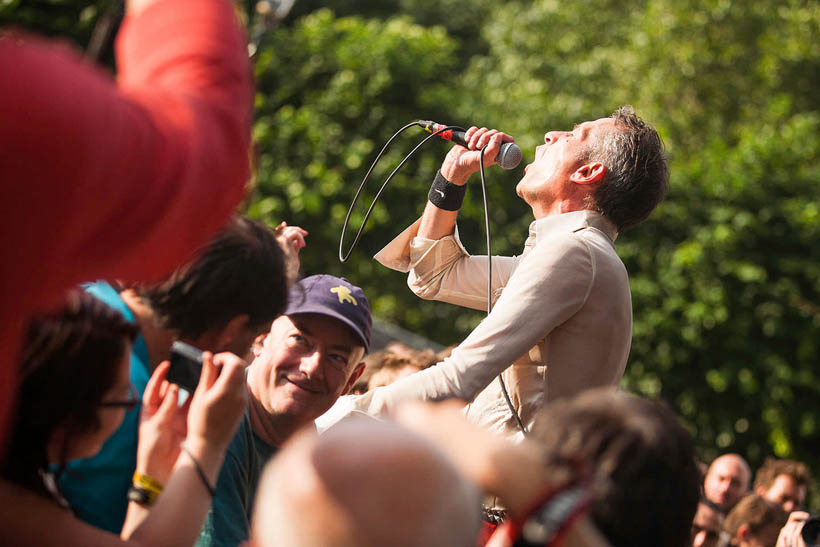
(343, 257)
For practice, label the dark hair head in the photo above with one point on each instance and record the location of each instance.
(647, 481)
(241, 271)
(636, 172)
(773, 468)
(69, 363)
(755, 512)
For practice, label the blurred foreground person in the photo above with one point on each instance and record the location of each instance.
(220, 301)
(754, 522)
(105, 179)
(75, 392)
(364, 483)
(628, 457)
(727, 481)
(568, 287)
(707, 524)
(784, 482)
(648, 481)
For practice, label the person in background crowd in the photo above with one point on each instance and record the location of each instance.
(395, 367)
(312, 355)
(754, 522)
(220, 301)
(75, 392)
(117, 179)
(707, 524)
(784, 482)
(727, 481)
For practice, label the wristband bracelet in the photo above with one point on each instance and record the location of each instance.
(141, 495)
(199, 470)
(446, 195)
(146, 482)
(144, 489)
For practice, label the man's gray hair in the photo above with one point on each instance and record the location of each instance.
(637, 175)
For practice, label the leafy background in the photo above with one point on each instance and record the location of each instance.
(725, 276)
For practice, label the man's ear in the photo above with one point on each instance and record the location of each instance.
(743, 532)
(232, 330)
(258, 344)
(589, 173)
(357, 372)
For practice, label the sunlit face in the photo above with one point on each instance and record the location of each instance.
(786, 492)
(307, 361)
(546, 179)
(110, 415)
(726, 482)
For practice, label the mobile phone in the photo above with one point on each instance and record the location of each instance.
(186, 366)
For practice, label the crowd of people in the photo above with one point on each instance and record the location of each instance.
(132, 264)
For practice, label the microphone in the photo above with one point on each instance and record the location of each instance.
(509, 156)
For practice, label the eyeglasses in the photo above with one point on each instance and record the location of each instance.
(129, 404)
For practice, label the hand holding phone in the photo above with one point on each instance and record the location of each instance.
(186, 366)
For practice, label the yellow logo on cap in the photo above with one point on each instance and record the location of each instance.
(344, 295)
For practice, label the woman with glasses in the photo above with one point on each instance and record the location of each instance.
(74, 393)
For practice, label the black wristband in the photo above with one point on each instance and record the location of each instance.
(141, 495)
(446, 195)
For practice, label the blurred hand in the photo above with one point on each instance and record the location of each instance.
(292, 240)
(462, 162)
(218, 403)
(163, 426)
(790, 533)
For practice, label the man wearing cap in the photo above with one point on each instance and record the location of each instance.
(312, 355)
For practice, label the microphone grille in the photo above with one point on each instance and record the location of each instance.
(509, 156)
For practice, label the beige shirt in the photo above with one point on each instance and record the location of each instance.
(561, 320)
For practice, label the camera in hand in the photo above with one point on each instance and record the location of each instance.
(186, 366)
(811, 531)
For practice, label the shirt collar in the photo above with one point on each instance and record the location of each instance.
(572, 222)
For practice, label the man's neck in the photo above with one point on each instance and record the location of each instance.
(274, 430)
(157, 340)
(540, 211)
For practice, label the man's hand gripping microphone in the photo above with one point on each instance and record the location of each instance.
(509, 156)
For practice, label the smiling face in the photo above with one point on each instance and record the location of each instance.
(307, 361)
(548, 180)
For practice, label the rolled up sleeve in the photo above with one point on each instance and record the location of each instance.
(443, 270)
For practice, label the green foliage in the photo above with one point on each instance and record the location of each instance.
(725, 276)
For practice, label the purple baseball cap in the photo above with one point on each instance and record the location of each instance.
(334, 297)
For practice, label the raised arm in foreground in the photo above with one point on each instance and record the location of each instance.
(118, 180)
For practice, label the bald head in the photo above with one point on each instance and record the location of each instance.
(727, 481)
(364, 483)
